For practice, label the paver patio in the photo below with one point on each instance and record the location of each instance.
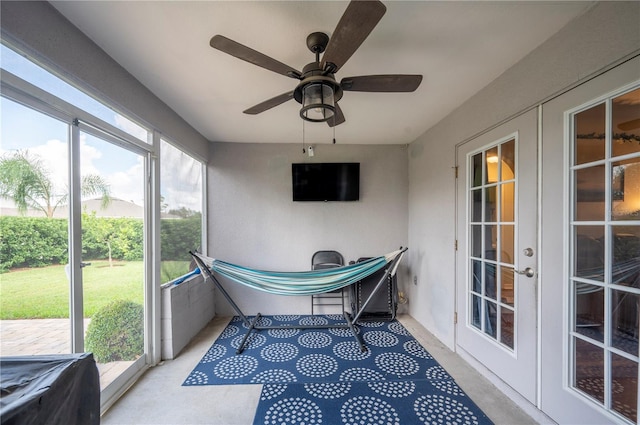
(27, 337)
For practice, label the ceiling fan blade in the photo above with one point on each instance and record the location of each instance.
(357, 22)
(245, 53)
(629, 125)
(268, 104)
(338, 118)
(382, 83)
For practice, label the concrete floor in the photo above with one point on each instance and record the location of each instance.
(159, 397)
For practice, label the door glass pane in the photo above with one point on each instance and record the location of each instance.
(624, 321)
(589, 130)
(476, 312)
(113, 251)
(506, 286)
(492, 242)
(476, 241)
(507, 204)
(476, 170)
(34, 284)
(508, 163)
(492, 165)
(624, 388)
(507, 326)
(589, 308)
(181, 207)
(589, 248)
(490, 204)
(590, 192)
(625, 246)
(626, 123)
(476, 206)
(490, 325)
(476, 283)
(625, 189)
(507, 252)
(589, 369)
(490, 280)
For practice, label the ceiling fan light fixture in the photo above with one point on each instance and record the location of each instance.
(318, 102)
(318, 92)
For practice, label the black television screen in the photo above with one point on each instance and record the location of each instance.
(327, 181)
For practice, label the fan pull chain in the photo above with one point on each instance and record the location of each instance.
(334, 128)
(303, 151)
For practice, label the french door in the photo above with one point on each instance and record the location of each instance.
(591, 250)
(111, 253)
(497, 252)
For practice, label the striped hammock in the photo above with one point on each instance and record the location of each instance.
(305, 282)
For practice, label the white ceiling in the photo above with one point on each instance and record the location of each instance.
(459, 47)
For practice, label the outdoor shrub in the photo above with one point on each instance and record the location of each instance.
(179, 236)
(32, 242)
(123, 236)
(116, 332)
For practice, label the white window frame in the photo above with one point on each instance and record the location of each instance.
(18, 90)
(496, 143)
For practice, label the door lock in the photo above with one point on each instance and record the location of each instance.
(528, 252)
(528, 272)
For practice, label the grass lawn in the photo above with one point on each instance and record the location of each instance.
(170, 270)
(38, 293)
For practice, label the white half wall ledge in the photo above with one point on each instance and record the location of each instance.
(186, 309)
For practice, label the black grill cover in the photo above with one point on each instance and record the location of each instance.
(52, 389)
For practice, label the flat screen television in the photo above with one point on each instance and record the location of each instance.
(329, 181)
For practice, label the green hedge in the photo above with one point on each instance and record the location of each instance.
(179, 236)
(124, 236)
(32, 242)
(41, 241)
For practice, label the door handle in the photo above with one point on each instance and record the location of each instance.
(528, 272)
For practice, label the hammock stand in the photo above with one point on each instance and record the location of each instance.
(391, 268)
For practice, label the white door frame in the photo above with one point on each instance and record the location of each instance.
(557, 399)
(524, 129)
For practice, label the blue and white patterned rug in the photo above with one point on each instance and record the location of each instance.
(320, 376)
(375, 402)
(312, 355)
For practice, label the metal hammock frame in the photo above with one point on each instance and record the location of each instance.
(393, 261)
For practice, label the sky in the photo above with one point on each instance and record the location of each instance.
(46, 138)
(23, 128)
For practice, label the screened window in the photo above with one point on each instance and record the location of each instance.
(181, 199)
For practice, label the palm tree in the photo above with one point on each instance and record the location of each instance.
(26, 181)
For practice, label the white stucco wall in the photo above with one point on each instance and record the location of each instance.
(253, 220)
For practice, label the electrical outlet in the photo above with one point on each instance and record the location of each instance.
(415, 280)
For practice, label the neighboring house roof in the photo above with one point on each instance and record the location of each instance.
(117, 208)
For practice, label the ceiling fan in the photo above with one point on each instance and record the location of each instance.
(317, 90)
